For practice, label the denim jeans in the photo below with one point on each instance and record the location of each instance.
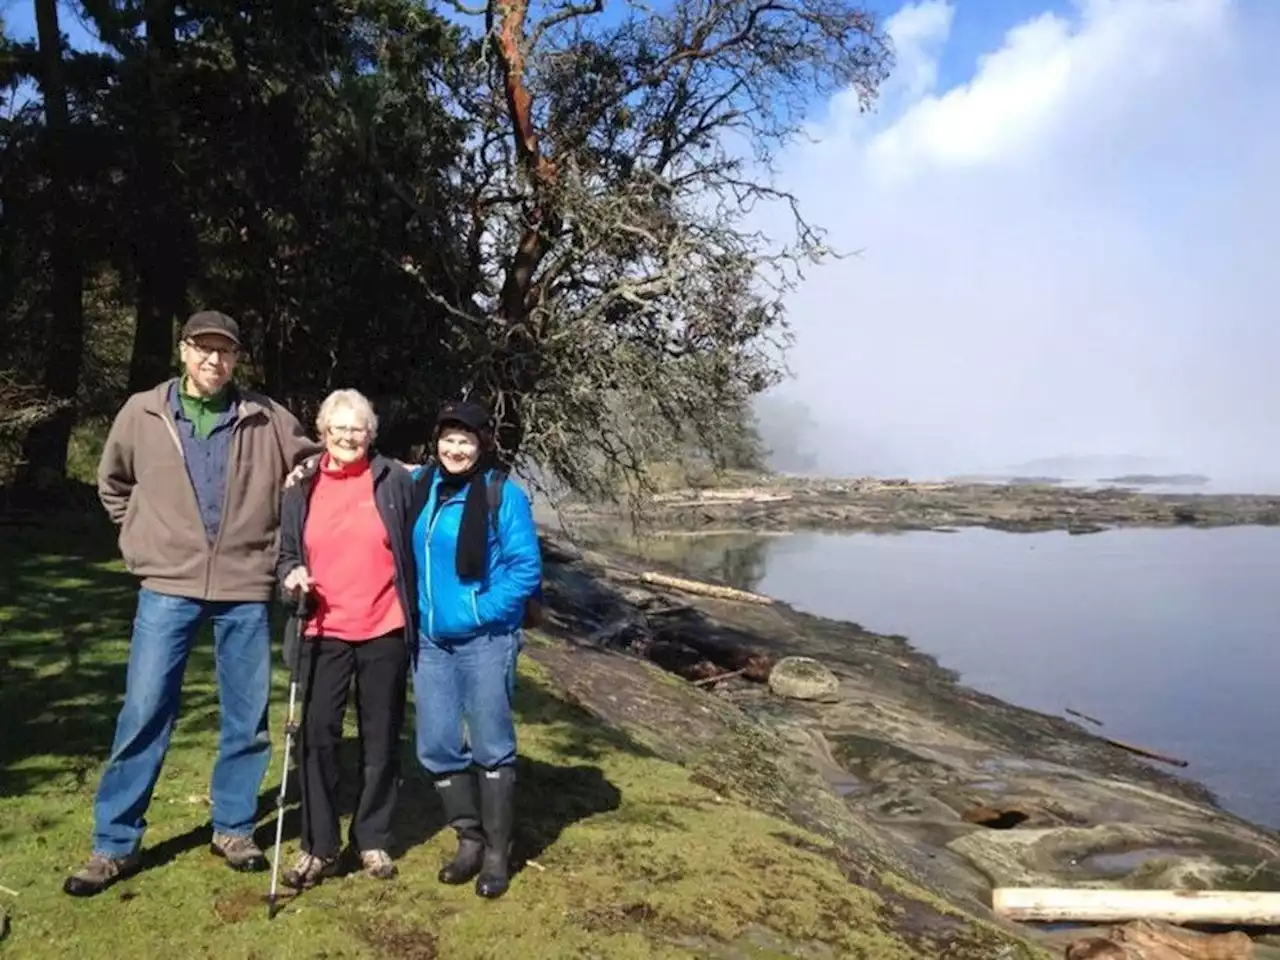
(471, 681)
(163, 631)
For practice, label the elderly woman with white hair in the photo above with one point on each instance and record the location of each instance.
(344, 543)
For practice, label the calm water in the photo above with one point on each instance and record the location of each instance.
(1170, 637)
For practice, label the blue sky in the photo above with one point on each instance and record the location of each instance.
(977, 25)
(20, 22)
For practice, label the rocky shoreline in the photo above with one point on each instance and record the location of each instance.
(773, 503)
(909, 773)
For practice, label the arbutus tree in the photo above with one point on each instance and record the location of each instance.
(550, 208)
(623, 308)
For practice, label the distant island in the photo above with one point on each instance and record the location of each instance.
(1157, 479)
(1125, 470)
(1082, 466)
(1013, 481)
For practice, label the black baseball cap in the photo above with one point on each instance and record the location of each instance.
(211, 321)
(464, 413)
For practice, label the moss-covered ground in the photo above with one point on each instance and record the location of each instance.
(623, 853)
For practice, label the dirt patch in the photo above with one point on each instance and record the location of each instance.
(616, 919)
(237, 906)
(399, 942)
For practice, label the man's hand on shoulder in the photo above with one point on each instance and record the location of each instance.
(297, 473)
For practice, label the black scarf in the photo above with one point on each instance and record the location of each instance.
(472, 558)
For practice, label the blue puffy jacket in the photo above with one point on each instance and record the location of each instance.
(453, 610)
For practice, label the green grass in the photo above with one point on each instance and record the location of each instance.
(630, 857)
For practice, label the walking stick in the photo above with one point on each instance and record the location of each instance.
(290, 731)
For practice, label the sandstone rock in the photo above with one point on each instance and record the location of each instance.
(803, 678)
(1143, 940)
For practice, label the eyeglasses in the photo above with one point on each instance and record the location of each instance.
(348, 431)
(204, 352)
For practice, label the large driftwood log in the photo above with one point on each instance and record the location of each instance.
(725, 501)
(1057, 904)
(703, 589)
(1142, 940)
(698, 498)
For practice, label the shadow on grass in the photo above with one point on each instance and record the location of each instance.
(66, 609)
(550, 796)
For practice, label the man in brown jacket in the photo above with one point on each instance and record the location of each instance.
(192, 473)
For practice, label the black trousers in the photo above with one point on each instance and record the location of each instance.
(379, 668)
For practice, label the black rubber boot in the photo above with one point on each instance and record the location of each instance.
(497, 814)
(458, 794)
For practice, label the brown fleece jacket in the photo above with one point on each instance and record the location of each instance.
(144, 486)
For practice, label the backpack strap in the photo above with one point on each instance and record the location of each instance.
(497, 484)
(534, 615)
(422, 490)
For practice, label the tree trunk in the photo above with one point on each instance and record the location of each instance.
(514, 366)
(45, 446)
(163, 238)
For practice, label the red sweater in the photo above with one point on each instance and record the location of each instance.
(349, 557)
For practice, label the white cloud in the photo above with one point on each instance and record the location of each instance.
(919, 33)
(1068, 254)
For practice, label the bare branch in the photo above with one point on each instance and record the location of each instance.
(562, 14)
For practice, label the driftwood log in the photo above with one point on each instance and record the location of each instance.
(1059, 904)
(556, 553)
(710, 681)
(699, 588)
(694, 498)
(1084, 716)
(736, 500)
(1143, 940)
(1143, 751)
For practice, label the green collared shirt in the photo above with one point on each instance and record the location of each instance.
(203, 412)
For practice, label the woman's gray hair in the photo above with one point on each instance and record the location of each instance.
(347, 400)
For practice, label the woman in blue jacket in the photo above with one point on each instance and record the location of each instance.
(478, 563)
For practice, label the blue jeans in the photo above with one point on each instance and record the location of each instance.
(473, 680)
(163, 631)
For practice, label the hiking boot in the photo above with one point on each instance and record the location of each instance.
(377, 864)
(497, 813)
(309, 870)
(99, 873)
(458, 795)
(241, 853)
